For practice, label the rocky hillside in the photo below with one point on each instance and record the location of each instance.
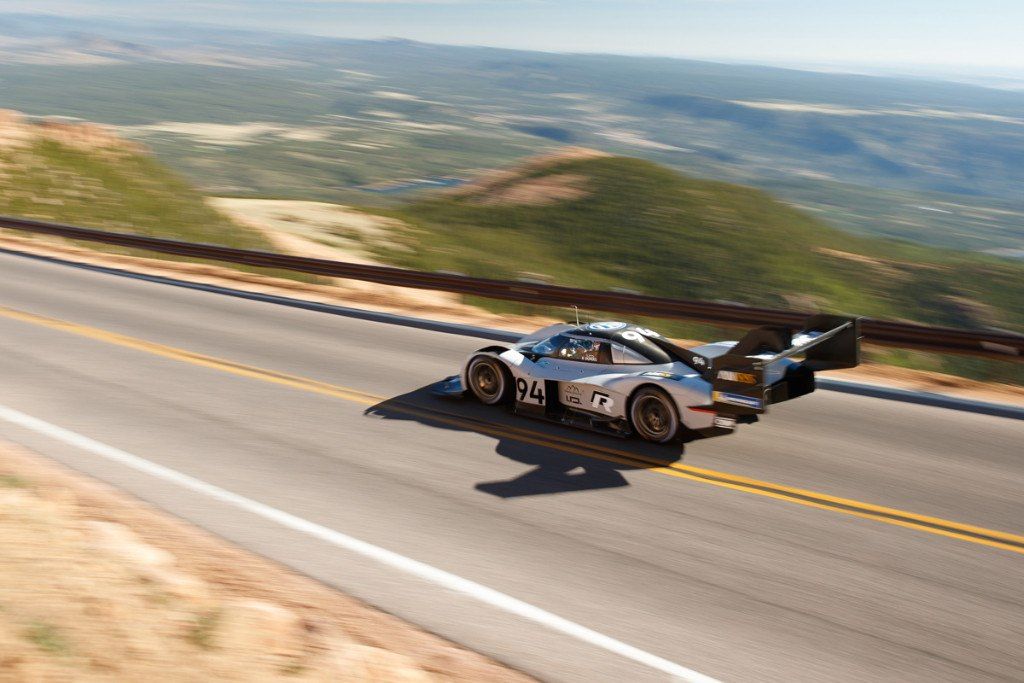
(83, 174)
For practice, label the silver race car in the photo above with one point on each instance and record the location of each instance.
(624, 379)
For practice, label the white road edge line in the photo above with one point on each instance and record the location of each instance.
(392, 559)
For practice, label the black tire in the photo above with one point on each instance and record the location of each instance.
(489, 380)
(653, 415)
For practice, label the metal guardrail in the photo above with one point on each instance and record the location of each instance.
(986, 343)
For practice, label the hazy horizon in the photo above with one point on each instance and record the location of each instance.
(941, 36)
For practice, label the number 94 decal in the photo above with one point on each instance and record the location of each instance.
(530, 391)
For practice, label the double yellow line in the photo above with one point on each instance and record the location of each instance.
(933, 525)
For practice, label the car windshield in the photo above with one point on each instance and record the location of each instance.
(570, 348)
(549, 345)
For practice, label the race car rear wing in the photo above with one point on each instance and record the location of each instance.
(744, 380)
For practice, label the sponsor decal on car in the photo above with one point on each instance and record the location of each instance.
(602, 401)
(744, 377)
(572, 395)
(606, 326)
(725, 422)
(638, 334)
(737, 400)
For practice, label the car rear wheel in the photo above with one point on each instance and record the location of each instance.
(489, 380)
(653, 415)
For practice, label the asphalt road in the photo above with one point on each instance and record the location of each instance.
(727, 579)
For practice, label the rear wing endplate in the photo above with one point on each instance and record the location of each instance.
(738, 378)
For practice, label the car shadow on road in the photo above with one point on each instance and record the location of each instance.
(555, 453)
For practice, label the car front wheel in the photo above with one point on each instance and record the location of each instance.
(653, 415)
(489, 380)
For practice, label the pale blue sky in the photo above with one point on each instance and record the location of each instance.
(965, 33)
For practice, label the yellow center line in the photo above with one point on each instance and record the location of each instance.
(933, 525)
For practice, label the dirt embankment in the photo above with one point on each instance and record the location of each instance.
(96, 586)
(333, 232)
(515, 186)
(18, 131)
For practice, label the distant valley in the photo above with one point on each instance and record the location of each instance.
(324, 119)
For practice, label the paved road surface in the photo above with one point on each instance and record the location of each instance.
(731, 582)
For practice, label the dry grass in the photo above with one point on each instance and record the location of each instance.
(96, 586)
(341, 232)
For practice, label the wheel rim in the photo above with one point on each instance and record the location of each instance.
(487, 382)
(654, 419)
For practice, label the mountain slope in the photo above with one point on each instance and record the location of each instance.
(82, 174)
